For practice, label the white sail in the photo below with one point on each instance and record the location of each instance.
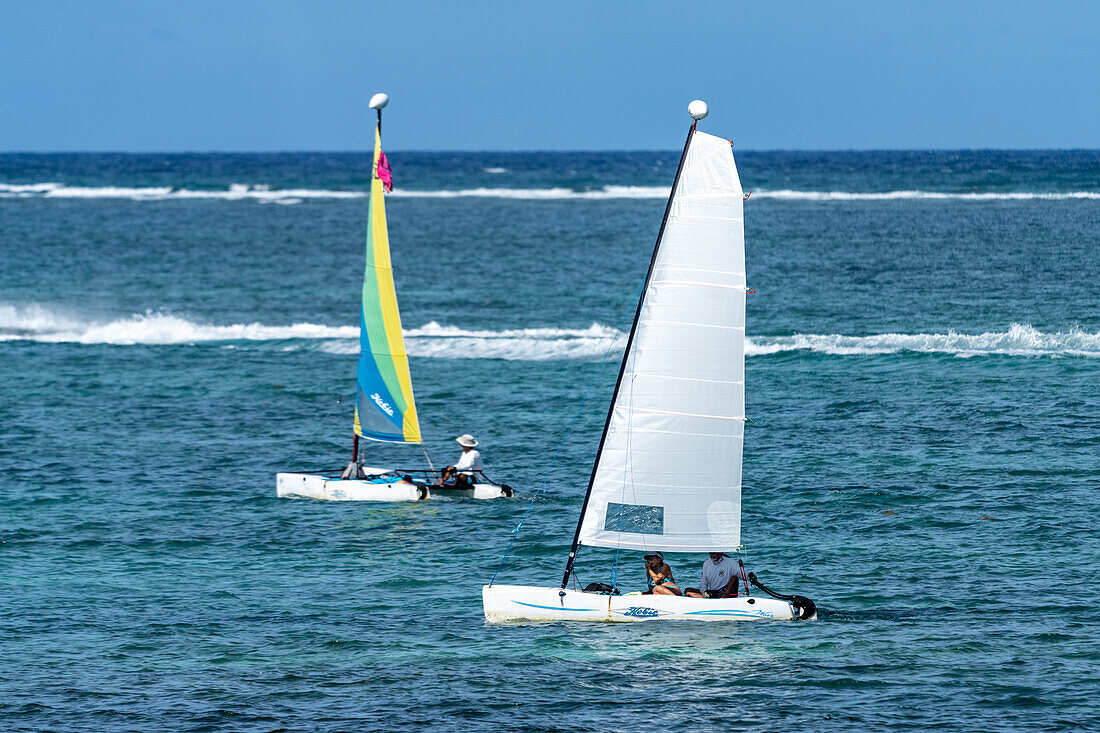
(669, 474)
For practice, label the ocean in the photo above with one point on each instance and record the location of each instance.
(923, 380)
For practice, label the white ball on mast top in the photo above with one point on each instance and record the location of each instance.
(380, 100)
(697, 109)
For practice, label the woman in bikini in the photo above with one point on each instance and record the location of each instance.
(659, 575)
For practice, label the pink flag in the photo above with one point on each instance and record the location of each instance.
(384, 172)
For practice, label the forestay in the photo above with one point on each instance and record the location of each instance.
(669, 474)
(384, 407)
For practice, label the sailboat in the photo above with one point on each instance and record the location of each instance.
(667, 474)
(385, 410)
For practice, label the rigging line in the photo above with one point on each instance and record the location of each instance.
(430, 465)
(741, 567)
(553, 461)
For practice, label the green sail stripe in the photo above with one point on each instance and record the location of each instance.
(376, 327)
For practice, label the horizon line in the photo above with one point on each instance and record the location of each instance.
(556, 151)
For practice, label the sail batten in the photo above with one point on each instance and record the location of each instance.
(668, 474)
(384, 406)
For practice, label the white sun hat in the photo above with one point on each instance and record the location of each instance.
(466, 441)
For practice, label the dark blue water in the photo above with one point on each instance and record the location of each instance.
(923, 461)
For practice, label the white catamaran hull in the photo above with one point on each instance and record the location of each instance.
(479, 491)
(327, 488)
(529, 603)
(311, 486)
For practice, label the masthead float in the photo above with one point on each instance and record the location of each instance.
(384, 407)
(667, 473)
(378, 101)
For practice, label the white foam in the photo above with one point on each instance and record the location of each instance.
(265, 194)
(521, 344)
(1018, 340)
(528, 344)
(38, 323)
(789, 195)
(28, 188)
(51, 325)
(537, 194)
(235, 192)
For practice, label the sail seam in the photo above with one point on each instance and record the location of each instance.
(686, 414)
(700, 284)
(690, 379)
(693, 216)
(669, 266)
(724, 436)
(695, 324)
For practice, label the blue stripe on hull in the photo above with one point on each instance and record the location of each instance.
(556, 608)
(731, 612)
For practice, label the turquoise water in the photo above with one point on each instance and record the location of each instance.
(923, 461)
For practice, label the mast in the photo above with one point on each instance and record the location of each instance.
(630, 340)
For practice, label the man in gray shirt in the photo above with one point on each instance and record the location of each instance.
(719, 578)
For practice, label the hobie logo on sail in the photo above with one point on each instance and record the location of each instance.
(382, 404)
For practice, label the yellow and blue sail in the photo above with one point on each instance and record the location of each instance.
(384, 407)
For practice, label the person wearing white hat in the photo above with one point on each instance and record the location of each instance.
(468, 469)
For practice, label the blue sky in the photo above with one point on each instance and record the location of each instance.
(245, 75)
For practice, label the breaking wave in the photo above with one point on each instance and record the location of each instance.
(266, 194)
(533, 194)
(45, 325)
(1018, 340)
(525, 344)
(924, 195)
(235, 192)
(36, 323)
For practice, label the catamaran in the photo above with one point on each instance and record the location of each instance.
(384, 407)
(667, 474)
